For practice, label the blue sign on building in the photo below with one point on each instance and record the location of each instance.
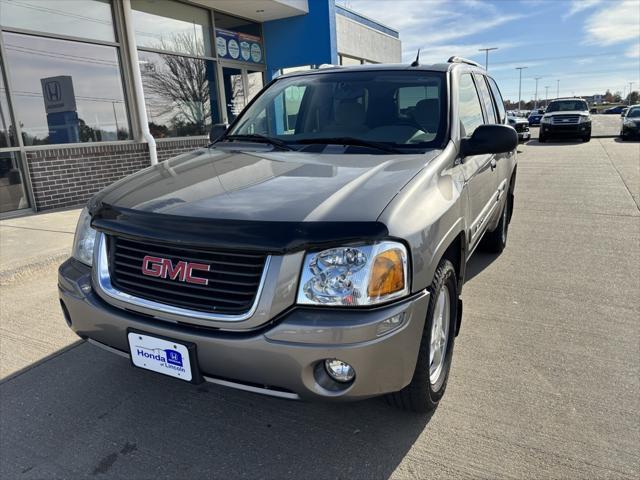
(239, 46)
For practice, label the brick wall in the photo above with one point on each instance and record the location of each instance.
(66, 177)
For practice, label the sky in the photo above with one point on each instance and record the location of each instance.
(589, 45)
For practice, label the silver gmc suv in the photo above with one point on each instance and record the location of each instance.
(317, 248)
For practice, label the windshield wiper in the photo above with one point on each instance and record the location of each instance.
(350, 141)
(257, 138)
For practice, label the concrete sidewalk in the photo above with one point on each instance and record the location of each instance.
(31, 323)
(32, 242)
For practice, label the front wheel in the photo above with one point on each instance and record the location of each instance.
(436, 346)
(586, 138)
(542, 138)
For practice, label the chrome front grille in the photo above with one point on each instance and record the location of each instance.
(565, 119)
(228, 287)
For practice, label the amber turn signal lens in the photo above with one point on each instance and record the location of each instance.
(387, 274)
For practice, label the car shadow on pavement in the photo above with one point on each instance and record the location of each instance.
(535, 143)
(86, 412)
(478, 262)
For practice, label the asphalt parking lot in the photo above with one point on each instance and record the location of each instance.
(545, 380)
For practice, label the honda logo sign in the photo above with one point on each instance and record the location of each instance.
(58, 94)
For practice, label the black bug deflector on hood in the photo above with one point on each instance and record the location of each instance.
(263, 236)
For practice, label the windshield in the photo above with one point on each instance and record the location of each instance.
(633, 112)
(399, 109)
(567, 106)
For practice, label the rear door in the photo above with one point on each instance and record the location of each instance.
(478, 169)
(505, 161)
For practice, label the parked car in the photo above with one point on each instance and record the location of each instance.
(521, 126)
(318, 259)
(535, 116)
(631, 123)
(614, 110)
(567, 118)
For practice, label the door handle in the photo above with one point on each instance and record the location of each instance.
(493, 164)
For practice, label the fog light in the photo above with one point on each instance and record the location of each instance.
(390, 324)
(339, 370)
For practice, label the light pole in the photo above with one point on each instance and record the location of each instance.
(520, 88)
(546, 96)
(536, 97)
(630, 90)
(486, 58)
(558, 89)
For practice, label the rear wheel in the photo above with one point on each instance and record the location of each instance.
(436, 346)
(496, 241)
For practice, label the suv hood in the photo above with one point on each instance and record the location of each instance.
(264, 185)
(567, 112)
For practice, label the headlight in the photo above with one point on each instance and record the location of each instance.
(352, 276)
(84, 239)
(546, 120)
(584, 118)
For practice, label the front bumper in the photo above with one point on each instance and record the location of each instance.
(284, 358)
(630, 131)
(568, 130)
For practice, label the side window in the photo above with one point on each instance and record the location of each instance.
(408, 97)
(498, 98)
(469, 109)
(292, 100)
(279, 117)
(489, 108)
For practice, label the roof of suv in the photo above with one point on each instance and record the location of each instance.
(435, 67)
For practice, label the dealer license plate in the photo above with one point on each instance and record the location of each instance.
(160, 355)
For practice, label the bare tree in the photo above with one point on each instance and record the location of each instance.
(179, 85)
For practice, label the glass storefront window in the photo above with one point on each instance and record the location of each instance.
(66, 91)
(172, 26)
(7, 130)
(236, 24)
(78, 18)
(12, 192)
(254, 84)
(234, 92)
(180, 94)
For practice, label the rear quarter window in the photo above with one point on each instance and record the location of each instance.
(497, 96)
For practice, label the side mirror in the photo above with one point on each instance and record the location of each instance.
(217, 130)
(490, 139)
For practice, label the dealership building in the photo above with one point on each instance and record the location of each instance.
(93, 90)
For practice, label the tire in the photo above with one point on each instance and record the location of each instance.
(496, 241)
(428, 385)
(586, 138)
(542, 138)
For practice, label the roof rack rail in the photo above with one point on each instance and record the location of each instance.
(455, 59)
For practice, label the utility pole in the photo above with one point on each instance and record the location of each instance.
(546, 96)
(536, 97)
(486, 58)
(520, 88)
(630, 90)
(558, 89)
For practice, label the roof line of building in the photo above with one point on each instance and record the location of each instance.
(364, 20)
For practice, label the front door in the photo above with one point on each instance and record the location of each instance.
(478, 170)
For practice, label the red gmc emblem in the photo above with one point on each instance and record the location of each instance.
(182, 271)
